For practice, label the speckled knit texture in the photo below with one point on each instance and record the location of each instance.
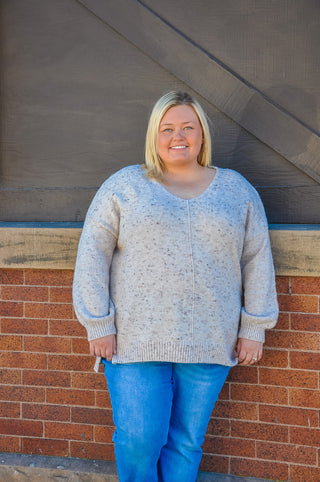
(169, 275)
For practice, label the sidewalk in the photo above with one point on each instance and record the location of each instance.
(40, 468)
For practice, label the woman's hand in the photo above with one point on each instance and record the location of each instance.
(249, 351)
(105, 347)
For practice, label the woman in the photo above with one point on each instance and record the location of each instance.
(168, 252)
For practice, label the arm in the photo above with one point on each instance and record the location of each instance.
(92, 302)
(260, 307)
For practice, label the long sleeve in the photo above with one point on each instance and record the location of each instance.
(92, 303)
(260, 310)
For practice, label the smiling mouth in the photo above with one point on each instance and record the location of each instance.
(178, 147)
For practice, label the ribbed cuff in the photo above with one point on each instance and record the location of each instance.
(100, 329)
(253, 327)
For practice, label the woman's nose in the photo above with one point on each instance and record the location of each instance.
(178, 134)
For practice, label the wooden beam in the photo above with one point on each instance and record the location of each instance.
(214, 81)
(38, 247)
(296, 248)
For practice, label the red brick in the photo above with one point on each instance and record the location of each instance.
(289, 415)
(87, 450)
(25, 293)
(287, 453)
(236, 410)
(48, 277)
(238, 447)
(22, 427)
(102, 399)
(243, 374)
(258, 468)
(80, 345)
(94, 416)
(305, 436)
(298, 303)
(48, 310)
(42, 446)
(68, 431)
(46, 378)
(89, 381)
(213, 463)
(304, 398)
(61, 295)
(46, 412)
(261, 431)
(24, 326)
(305, 341)
(305, 361)
(25, 394)
(11, 277)
(72, 397)
(261, 394)
(219, 427)
(283, 322)
(308, 474)
(71, 363)
(48, 344)
(11, 308)
(293, 340)
(12, 377)
(225, 392)
(10, 342)
(67, 327)
(101, 369)
(103, 434)
(9, 444)
(9, 410)
(283, 284)
(288, 378)
(305, 285)
(23, 360)
(274, 358)
(303, 322)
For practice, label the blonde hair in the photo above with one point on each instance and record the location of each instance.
(153, 162)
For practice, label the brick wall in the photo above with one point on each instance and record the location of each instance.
(265, 424)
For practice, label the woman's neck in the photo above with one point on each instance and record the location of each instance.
(177, 174)
(188, 184)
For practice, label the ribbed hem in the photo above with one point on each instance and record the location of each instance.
(173, 352)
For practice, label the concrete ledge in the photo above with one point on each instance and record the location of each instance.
(23, 467)
(40, 468)
(296, 248)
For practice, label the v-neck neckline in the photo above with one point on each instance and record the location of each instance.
(203, 193)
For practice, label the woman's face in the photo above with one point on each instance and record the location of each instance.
(180, 137)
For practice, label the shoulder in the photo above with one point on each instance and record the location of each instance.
(124, 176)
(235, 182)
(122, 181)
(116, 188)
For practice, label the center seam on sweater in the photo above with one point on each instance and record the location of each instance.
(192, 267)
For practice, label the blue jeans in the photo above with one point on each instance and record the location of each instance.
(161, 412)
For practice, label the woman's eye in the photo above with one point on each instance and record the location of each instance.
(188, 127)
(167, 129)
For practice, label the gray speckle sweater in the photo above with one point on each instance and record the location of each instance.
(177, 280)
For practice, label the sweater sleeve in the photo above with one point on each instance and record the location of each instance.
(92, 303)
(260, 307)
